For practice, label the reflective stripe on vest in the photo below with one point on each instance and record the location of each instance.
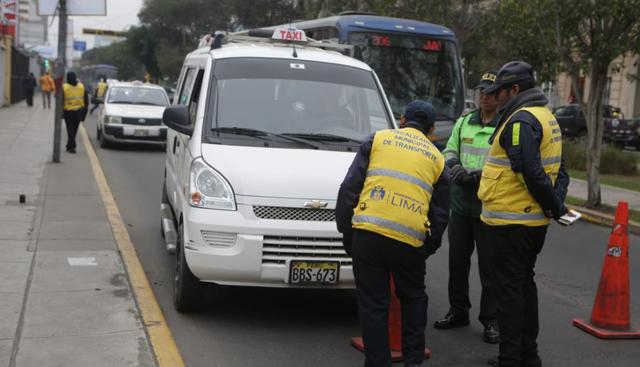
(394, 201)
(73, 96)
(505, 198)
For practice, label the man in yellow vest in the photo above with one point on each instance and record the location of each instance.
(98, 96)
(76, 100)
(523, 185)
(393, 205)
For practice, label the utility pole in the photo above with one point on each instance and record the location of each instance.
(61, 63)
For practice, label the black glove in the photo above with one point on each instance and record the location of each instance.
(347, 239)
(460, 175)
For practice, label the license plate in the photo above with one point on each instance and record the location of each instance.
(138, 132)
(310, 272)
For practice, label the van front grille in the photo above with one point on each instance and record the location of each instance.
(279, 249)
(286, 213)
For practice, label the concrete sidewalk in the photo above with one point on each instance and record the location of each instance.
(65, 298)
(610, 195)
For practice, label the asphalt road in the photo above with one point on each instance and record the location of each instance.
(279, 327)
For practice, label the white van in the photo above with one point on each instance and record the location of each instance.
(260, 137)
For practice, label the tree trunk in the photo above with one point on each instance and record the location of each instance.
(595, 130)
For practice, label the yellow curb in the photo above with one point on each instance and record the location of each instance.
(162, 342)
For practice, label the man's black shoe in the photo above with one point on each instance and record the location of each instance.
(493, 362)
(71, 150)
(451, 321)
(491, 334)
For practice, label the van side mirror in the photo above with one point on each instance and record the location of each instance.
(176, 117)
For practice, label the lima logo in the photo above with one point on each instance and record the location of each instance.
(377, 193)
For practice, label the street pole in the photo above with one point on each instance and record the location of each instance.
(61, 63)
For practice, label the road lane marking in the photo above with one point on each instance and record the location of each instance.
(162, 341)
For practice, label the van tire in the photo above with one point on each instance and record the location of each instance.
(188, 291)
(103, 141)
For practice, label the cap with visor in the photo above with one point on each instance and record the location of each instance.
(420, 112)
(510, 73)
(487, 80)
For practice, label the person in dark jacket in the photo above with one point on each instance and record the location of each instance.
(29, 84)
(392, 208)
(523, 185)
(76, 101)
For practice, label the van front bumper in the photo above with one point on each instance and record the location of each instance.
(238, 248)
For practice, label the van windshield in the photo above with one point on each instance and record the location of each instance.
(307, 100)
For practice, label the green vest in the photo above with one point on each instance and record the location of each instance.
(469, 144)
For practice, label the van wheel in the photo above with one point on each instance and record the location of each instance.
(98, 133)
(163, 200)
(103, 141)
(188, 291)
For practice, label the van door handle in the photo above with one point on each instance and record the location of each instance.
(176, 143)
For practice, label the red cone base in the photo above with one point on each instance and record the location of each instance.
(396, 355)
(604, 333)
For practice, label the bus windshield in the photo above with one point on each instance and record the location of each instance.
(413, 67)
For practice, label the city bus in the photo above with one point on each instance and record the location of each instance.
(414, 60)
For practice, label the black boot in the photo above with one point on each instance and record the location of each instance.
(452, 320)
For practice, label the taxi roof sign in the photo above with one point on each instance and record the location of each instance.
(289, 34)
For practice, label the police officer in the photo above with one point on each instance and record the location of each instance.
(465, 153)
(76, 100)
(100, 91)
(393, 204)
(523, 185)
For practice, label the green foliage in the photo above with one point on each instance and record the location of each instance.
(118, 55)
(613, 160)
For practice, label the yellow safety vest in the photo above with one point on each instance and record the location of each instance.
(102, 87)
(73, 96)
(505, 198)
(394, 202)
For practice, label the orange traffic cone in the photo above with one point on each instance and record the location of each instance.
(610, 314)
(395, 329)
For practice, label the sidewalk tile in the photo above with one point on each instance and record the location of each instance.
(76, 245)
(79, 313)
(14, 251)
(10, 306)
(74, 208)
(76, 231)
(53, 272)
(15, 230)
(13, 276)
(127, 349)
(5, 352)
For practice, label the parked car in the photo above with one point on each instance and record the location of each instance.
(623, 132)
(132, 113)
(572, 121)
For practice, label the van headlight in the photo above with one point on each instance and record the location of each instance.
(208, 189)
(113, 119)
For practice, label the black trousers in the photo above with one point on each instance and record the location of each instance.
(72, 121)
(513, 258)
(465, 234)
(29, 95)
(375, 257)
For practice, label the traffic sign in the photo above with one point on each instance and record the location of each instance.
(79, 45)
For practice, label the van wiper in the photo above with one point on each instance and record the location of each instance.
(323, 137)
(258, 133)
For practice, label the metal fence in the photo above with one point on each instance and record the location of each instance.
(19, 71)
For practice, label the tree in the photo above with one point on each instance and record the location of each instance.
(591, 35)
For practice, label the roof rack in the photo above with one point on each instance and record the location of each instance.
(262, 35)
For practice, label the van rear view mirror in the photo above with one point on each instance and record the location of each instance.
(177, 118)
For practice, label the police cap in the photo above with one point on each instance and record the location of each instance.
(421, 112)
(510, 73)
(487, 80)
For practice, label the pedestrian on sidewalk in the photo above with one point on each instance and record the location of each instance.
(47, 87)
(466, 151)
(76, 100)
(393, 205)
(29, 84)
(523, 184)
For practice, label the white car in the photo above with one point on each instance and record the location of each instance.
(259, 141)
(132, 113)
